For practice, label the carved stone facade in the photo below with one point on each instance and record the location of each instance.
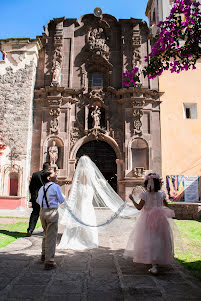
(80, 106)
(88, 111)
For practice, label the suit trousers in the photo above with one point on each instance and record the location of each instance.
(49, 219)
(34, 216)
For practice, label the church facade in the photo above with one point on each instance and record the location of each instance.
(72, 102)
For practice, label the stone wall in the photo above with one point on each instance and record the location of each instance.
(189, 211)
(17, 80)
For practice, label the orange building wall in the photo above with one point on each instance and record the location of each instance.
(180, 138)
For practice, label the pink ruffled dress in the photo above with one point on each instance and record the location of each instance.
(151, 241)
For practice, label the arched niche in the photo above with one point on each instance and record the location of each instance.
(59, 149)
(13, 184)
(140, 154)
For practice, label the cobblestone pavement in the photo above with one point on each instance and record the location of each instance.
(94, 275)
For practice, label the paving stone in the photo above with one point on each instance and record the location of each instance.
(26, 291)
(106, 296)
(4, 281)
(178, 289)
(144, 298)
(138, 281)
(69, 297)
(69, 276)
(183, 298)
(104, 283)
(34, 279)
(62, 287)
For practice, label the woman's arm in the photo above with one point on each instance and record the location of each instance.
(138, 206)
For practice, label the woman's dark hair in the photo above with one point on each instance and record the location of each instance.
(44, 176)
(157, 183)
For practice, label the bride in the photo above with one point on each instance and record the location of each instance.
(89, 189)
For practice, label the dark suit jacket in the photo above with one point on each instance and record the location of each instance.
(35, 185)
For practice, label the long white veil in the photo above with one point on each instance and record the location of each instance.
(90, 189)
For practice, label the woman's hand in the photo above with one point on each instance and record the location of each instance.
(131, 197)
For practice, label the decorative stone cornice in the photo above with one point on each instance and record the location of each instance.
(135, 94)
(21, 42)
(54, 94)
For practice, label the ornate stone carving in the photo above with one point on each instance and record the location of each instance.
(137, 126)
(136, 37)
(83, 77)
(136, 40)
(54, 123)
(137, 114)
(97, 132)
(136, 43)
(54, 101)
(97, 42)
(97, 39)
(74, 135)
(96, 95)
(96, 115)
(138, 172)
(136, 58)
(57, 61)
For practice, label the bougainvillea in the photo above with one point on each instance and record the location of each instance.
(131, 78)
(178, 45)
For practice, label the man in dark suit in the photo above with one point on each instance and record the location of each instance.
(34, 186)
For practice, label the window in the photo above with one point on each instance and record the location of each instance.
(190, 110)
(96, 80)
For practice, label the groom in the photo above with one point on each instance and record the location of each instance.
(34, 186)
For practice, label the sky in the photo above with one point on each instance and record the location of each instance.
(25, 18)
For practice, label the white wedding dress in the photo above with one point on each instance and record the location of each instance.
(89, 189)
(77, 236)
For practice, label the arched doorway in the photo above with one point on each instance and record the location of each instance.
(103, 155)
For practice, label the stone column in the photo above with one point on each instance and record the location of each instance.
(68, 129)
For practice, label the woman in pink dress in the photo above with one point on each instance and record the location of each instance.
(151, 241)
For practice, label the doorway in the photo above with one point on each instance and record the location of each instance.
(103, 155)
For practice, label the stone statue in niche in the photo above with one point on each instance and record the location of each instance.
(56, 73)
(53, 153)
(96, 115)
